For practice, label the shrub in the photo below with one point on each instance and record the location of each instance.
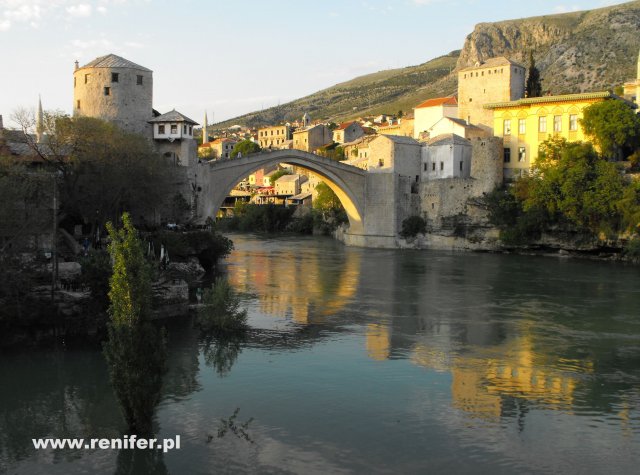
(631, 250)
(221, 312)
(412, 226)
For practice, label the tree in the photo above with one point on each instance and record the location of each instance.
(534, 84)
(574, 185)
(221, 313)
(245, 148)
(104, 170)
(614, 127)
(278, 174)
(326, 199)
(135, 350)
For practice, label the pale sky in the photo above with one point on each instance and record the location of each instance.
(235, 56)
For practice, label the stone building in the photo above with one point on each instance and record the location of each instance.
(632, 88)
(446, 156)
(312, 138)
(289, 185)
(526, 123)
(495, 80)
(117, 90)
(173, 138)
(347, 132)
(430, 112)
(274, 137)
(395, 154)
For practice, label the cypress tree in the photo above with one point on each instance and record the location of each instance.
(534, 84)
(135, 350)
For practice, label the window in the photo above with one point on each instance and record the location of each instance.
(522, 154)
(139, 80)
(161, 129)
(460, 166)
(441, 166)
(507, 127)
(191, 130)
(86, 78)
(522, 126)
(573, 122)
(174, 128)
(78, 104)
(557, 123)
(107, 91)
(115, 77)
(507, 155)
(542, 125)
(184, 128)
(381, 162)
(433, 166)
(74, 81)
(470, 100)
(425, 167)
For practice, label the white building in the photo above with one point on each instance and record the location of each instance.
(430, 112)
(446, 156)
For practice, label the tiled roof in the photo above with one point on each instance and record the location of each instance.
(448, 139)
(462, 122)
(401, 140)
(114, 61)
(548, 99)
(492, 63)
(173, 116)
(439, 101)
(344, 125)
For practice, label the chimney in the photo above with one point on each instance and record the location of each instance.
(77, 64)
(1, 126)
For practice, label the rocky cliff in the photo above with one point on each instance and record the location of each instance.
(576, 52)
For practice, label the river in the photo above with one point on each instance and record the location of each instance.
(367, 361)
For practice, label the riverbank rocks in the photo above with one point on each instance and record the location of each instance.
(170, 298)
(191, 269)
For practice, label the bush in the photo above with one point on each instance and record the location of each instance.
(221, 313)
(96, 271)
(412, 226)
(631, 250)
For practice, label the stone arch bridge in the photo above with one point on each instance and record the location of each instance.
(359, 191)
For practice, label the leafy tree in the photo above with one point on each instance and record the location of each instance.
(534, 84)
(221, 313)
(245, 148)
(614, 127)
(104, 170)
(280, 173)
(329, 211)
(135, 350)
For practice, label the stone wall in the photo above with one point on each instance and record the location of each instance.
(128, 104)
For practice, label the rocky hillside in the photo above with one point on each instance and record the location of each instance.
(576, 52)
(580, 51)
(385, 91)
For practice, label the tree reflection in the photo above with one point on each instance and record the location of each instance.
(222, 351)
(137, 461)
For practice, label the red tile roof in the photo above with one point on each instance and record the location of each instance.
(440, 101)
(344, 125)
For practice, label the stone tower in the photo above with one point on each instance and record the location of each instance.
(495, 80)
(306, 120)
(115, 89)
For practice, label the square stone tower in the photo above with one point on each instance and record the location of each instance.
(496, 80)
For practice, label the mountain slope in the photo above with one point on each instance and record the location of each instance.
(576, 52)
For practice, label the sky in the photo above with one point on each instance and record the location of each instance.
(230, 57)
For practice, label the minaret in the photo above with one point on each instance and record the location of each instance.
(205, 135)
(39, 122)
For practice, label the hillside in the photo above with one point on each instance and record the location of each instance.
(580, 51)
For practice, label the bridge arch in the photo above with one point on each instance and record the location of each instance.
(219, 177)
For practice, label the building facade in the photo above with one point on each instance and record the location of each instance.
(496, 80)
(274, 137)
(347, 132)
(526, 123)
(312, 138)
(430, 112)
(114, 89)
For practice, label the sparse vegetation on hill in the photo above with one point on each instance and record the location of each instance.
(575, 52)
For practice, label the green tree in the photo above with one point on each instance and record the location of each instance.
(534, 84)
(280, 173)
(245, 148)
(614, 127)
(412, 226)
(221, 312)
(104, 170)
(135, 350)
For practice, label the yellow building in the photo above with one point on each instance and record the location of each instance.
(526, 123)
(274, 137)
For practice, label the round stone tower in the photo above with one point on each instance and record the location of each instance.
(115, 89)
